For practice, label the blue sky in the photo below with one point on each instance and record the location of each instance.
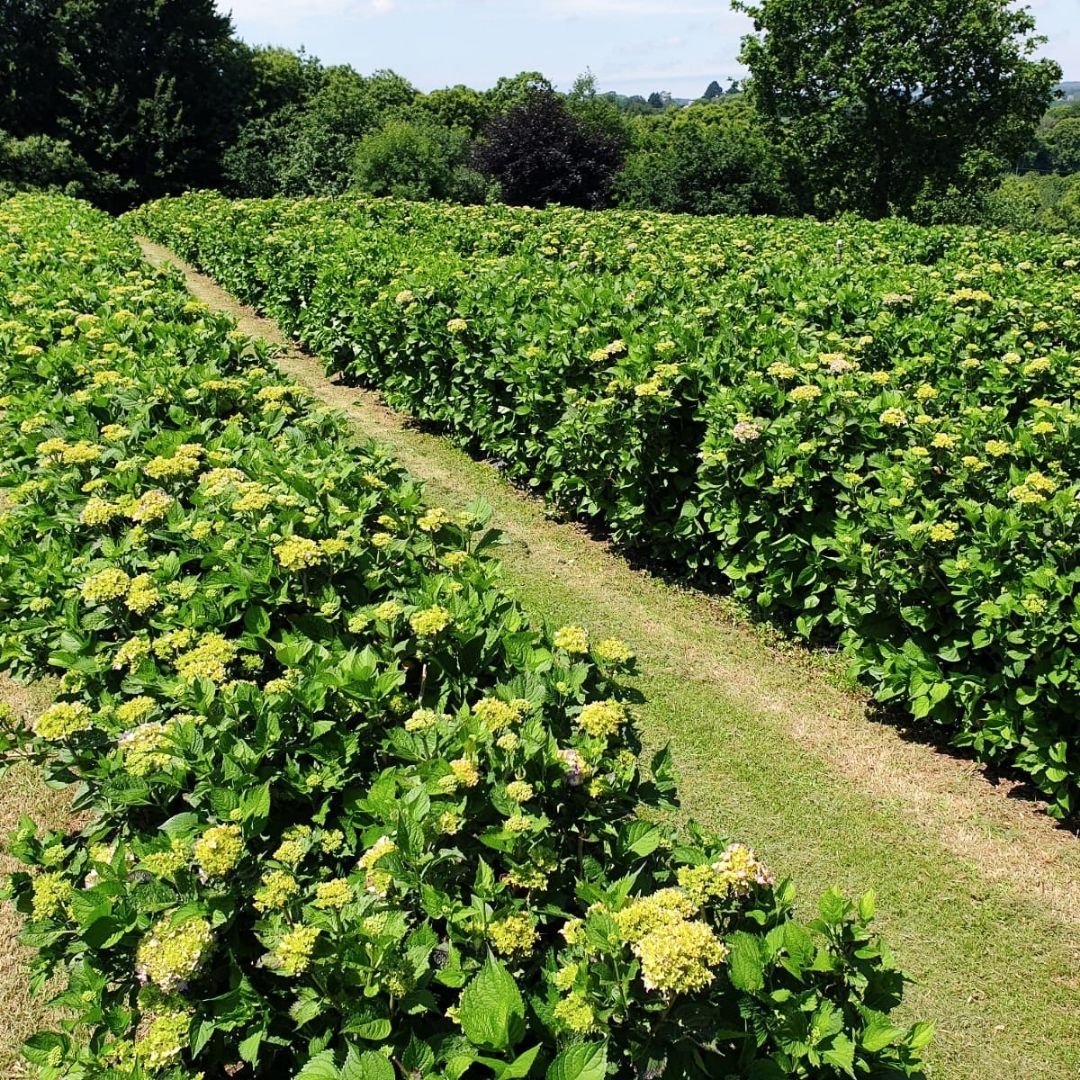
(633, 46)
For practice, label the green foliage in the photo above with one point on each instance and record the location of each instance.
(145, 92)
(866, 430)
(704, 160)
(1035, 201)
(41, 163)
(416, 160)
(457, 108)
(512, 91)
(308, 146)
(343, 812)
(881, 105)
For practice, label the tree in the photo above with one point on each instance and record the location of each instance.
(513, 90)
(882, 104)
(418, 160)
(706, 159)
(145, 91)
(1063, 145)
(307, 146)
(712, 91)
(41, 163)
(458, 108)
(540, 153)
(597, 111)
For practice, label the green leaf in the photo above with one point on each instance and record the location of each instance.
(366, 1065)
(520, 1067)
(255, 805)
(841, 1054)
(582, 1061)
(833, 907)
(492, 1012)
(867, 906)
(377, 1030)
(320, 1067)
(879, 1033)
(249, 1047)
(746, 968)
(920, 1034)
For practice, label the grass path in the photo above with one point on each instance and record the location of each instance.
(979, 894)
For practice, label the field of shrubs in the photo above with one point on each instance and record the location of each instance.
(869, 431)
(341, 811)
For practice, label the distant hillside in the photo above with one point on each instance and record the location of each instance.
(1070, 90)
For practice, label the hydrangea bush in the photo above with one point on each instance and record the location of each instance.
(342, 812)
(867, 430)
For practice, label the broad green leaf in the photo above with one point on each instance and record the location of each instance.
(582, 1061)
(492, 1011)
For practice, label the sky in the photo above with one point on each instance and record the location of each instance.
(631, 46)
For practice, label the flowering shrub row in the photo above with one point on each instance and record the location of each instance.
(868, 430)
(342, 811)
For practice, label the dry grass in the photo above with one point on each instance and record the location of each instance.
(22, 791)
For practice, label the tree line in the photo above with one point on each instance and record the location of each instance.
(933, 109)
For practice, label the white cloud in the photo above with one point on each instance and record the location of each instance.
(286, 12)
(627, 8)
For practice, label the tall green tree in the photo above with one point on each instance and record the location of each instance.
(146, 91)
(705, 159)
(881, 104)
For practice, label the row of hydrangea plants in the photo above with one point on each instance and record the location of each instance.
(339, 809)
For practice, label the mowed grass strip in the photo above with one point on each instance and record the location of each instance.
(977, 892)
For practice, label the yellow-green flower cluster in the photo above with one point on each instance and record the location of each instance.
(677, 952)
(63, 719)
(142, 594)
(298, 553)
(184, 462)
(105, 585)
(575, 1014)
(519, 791)
(98, 511)
(147, 748)
(613, 651)
(515, 935)
(165, 1040)
(333, 895)
(602, 718)
(572, 639)
(151, 506)
(51, 892)
(680, 960)
(424, 720)
(465, 772)
(207, 660)
(218, 850)
(736, 873)
(430, 621)
(388, 611)
(167, 863)
(377, 882)
(495, 714)
(433, 520)
(294, 846)
(277, 888)
(292, 954)
(171, 956)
